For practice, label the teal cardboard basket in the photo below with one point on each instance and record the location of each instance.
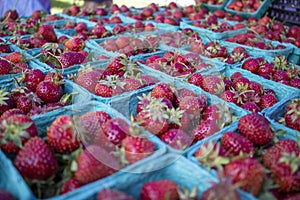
(212, 7)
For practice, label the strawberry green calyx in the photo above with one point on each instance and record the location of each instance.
(66, 99)
(113, 81)
(174, 115)
(292, 160)
(3, 96)
(280, 63)
(156, 110)
(185, 194)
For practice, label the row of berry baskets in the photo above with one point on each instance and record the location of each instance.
(124, 110)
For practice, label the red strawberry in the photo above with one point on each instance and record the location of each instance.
(235, 143)
(159, 189)
(177, 139)
(196, 79)
(148, 80)
(132, 84)
(49, 91)
(26, 103)
(163, 90)
(248, 173)
(87, 77)
(63, 136)
(256, 87)
(235, 76)
(295, 82)
(137, 148)
(266, 68)
(193, 105)
(251, 107)
(185, 92)
(47, 32)
(117, 65)
(70, 185)
(111, 194)
(75, 44)
(281, 75)
(205, 129)
(32, 78)
(5, 195)
(115, 130)
(5, 67)
(10, 112)
(241, 84)
(68, 59)
(291, 115)
(267, 100)
(35, 160)
(213, 84)
(273, 154)
(251, 65)
(11, 14)
(15, 57)
(95, 163)
(16, 130)
(256, 128)
(231, 96)
(222, 190)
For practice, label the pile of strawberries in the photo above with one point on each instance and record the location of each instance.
(180, 117)
(254, 159)
(244, 5)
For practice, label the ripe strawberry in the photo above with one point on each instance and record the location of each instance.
(183, 92)
(267, 100)
(291, 115)
(251, 65)
(131, 84)
(248, 173)
(177, 139)
(10, 112)
(47, 32)
(213, 84)
(15, 57)
(122, 41)
(68, 59)
(251, 107)
(241, 84)
(88, 77)
(75, 44)
(111, 194)
(196, 79)
(95, 163)
(5, 195)
(235, 144)
(281, 75)
(5, 67)
(62, 136)
(15, 131)
(163, 90)
(70, 185)
(26, 103)
(35, 160)
(137, 148)
(32, 78)
(49, 91)
(256, 128)
(117, 65)
(295, 82)
(235, 76)
(148, 80)
(115, 130)
(266, 68)
(223, 190)
(231, 96)
(256, 87)
(193, 105)
(205, 129)
(159, 189)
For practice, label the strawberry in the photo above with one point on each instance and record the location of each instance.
(273, 154)
(266, 68)
(247, 172)
(131, 84)
(231, 96)
(11, 14)
(61, 135)
(5, 67)
(241, 84)
(15, 131)
(117, 65)
(87, 77)
(196, 79)
(193, 105)
(15, 57)
(251, 65)
(252, 107)
(223, 190)
(153, 124)
(291, 116)
(281, 75)
(256, 87)
(122, 41)
(69, 185)
(137, 148)
(110, 86)
(10, 112)
(115, 130)
(75, 44)
(94, 163)
(256, 128)
(163, 90)
(111, 194)
(47, 32)
(205, 129)
(183, 92)
(267, 100)
(295, 82)
(26, 103)
(235, 76)
(32, 78)
(35, 160)
(213, 84)
(5, 195)
(177, 139)
(236, 144)
(159, 189)
(68, 59)
(49, 91)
